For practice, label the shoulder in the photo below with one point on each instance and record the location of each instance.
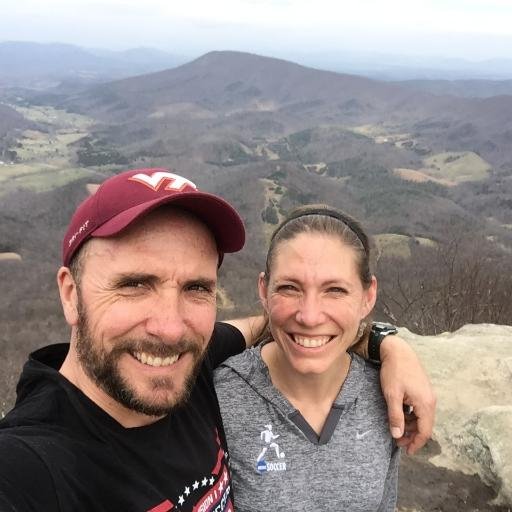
(365, 377)
(366, 371)
(25, 480)
(226, 341)
(16, 449)
(239, 367)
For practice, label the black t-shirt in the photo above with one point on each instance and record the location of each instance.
(60, 452)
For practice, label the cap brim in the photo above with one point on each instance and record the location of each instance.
(220, 217)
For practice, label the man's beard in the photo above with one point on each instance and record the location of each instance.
(103, 368)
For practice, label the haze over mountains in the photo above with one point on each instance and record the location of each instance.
(36, 65)
(40, 65)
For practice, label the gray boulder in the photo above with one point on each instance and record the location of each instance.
(471, 370)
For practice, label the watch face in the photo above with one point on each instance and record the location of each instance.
(383, 328)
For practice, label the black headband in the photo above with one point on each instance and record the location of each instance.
(327, 212)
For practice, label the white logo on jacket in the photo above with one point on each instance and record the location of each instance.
(269, 438)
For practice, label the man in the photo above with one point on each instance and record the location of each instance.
(125, 417)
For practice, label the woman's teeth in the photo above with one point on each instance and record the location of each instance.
(311, 341)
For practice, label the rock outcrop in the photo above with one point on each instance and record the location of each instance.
(471, 370)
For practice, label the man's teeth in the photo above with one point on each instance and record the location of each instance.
(155, 361)
(308, 342)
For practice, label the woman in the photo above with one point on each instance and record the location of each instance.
(305, 419)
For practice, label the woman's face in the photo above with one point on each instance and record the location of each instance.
(315, 301)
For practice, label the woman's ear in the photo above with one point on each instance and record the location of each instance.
(263, 289)
(369, 297)
(68, 295)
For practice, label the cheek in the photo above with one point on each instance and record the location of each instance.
(203, 321)
(115, 320)
(351, 312)
(281, 309)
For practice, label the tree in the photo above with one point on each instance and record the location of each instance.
(464, 278)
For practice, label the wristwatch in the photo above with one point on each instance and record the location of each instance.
(378, 332)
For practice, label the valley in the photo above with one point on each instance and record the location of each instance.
(44, 158)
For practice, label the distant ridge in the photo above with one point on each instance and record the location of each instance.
(41, 65)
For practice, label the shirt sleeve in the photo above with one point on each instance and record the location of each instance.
(390, 496)
(226, 341)
(25, 482)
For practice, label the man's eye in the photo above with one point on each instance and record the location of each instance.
(287, 288)
(132, 284)
(199, 287)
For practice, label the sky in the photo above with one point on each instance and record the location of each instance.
(469, 29)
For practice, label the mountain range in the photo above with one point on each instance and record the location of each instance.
(267, 134)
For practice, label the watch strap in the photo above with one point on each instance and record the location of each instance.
(378, 332)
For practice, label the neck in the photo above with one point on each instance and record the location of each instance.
(305, 388)
(73, 371)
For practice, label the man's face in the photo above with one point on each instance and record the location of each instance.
(146, 310)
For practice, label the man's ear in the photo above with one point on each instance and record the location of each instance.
(68, 295)
(263, 289)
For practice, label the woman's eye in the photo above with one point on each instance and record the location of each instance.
(337, 290)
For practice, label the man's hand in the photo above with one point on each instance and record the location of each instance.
(404, 382)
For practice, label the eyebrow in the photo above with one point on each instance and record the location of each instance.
(327, 282)
(133, 276)
(145, 277)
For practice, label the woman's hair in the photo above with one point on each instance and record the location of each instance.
(323, 219)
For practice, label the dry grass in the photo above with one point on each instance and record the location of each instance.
(456, 167)
(420, 177)
(391, 244)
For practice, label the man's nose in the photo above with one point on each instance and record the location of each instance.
(166, 317)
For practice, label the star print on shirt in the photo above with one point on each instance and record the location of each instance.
(212, 480)
(195, 485)
(204, 482)
(181, 500)
(187, 491)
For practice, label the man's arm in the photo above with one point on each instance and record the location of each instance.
(403, 381)
(251, 327)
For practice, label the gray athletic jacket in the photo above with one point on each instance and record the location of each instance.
(279, 463)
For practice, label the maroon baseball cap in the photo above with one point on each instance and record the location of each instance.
(122, 199)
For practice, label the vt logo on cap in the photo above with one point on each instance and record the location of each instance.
(157, 179)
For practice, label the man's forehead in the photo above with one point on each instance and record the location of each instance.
(112, 258)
